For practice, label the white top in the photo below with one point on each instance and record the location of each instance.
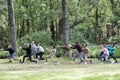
(40, 49)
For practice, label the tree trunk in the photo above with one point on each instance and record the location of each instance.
(65, 23)
(12, 24)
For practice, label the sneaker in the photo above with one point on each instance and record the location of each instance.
(91, 62)
(101, 62)
(58, 62)
(72, 62)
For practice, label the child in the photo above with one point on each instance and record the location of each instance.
(52, 55)
(29, 54)
(86, 53)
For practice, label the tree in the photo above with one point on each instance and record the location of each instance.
(12, 24)
(65, 21)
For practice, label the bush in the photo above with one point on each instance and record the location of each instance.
(43, 37)
(4, 54)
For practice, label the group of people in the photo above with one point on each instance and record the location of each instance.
(82, 52)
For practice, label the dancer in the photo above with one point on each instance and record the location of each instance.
(40, 52)
(29, 54)
(12, 55)
(86, 54)
(52, 55)
(105, 54)
(80, 52)
(111, 49)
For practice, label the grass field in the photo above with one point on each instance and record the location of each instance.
(62, 71)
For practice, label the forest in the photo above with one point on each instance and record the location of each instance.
(60, 21)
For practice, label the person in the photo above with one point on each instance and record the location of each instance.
(67, 51)
(52, 55)
(12, 55)
(28, 54)
(80, 52)
(105, 54)
(40, 52)
(34, 49)
(86, 54)
(111, 49)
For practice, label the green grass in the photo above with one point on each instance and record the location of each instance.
(63, 71)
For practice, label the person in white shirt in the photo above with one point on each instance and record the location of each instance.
(40, 52)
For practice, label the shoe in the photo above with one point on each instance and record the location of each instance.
(72, 62)
(101, 62)
(58, 62)
(91, 62)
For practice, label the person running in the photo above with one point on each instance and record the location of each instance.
(52, 55)
(34, 49)
(12, 55)
(80, 52)
(111, 49)
(40, 52)
(105, 54)
(28, 54)
(67, 50)
(86, 54)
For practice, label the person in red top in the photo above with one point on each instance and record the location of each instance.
(80, 52)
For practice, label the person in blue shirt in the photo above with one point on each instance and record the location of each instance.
(112, 52)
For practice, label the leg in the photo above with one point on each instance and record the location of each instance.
(75, 57)
(24, 58)
(31, 59)
(41, 54)
(112, 55)
(81, 57)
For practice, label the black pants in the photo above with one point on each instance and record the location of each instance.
(29, 56)
(112, 55)
(41, 55)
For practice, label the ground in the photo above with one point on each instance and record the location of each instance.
(62, 71)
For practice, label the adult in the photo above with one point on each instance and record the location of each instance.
(28, 54)
(79, 52)
(12, 55)
(34, 49)
(105, 54)
(112, 49)
(40, 52)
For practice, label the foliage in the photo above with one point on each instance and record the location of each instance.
(42, 37)
(3, 54)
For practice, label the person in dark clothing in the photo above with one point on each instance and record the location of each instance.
(28, 54)
(12, 55)
(80, 52)
(112, 49)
